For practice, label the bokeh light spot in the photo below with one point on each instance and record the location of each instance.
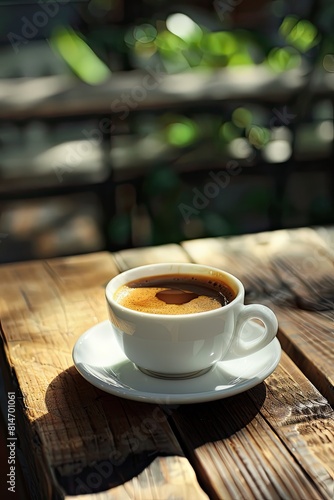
(183, 26)
(182, 134)
(277, 151)
(258, 136)
(144, 33)
(228, 131)
(242, 117)
(328, 63)
(302, 34)
(283, 58)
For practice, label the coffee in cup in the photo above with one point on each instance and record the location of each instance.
(175, 294)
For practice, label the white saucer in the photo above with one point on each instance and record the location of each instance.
(100, 360)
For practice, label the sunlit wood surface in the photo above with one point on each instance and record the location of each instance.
(273, 441)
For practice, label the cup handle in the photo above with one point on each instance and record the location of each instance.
(244, 346)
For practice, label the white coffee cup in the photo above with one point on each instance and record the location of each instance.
(187, 345)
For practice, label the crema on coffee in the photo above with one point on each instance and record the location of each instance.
(175, 294)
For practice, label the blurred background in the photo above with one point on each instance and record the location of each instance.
(126, 124)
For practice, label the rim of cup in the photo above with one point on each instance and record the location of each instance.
(111, 288)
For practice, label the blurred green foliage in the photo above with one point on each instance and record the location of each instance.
(174, 41)
(179, 41)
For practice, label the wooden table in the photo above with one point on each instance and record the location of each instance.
(75, 441)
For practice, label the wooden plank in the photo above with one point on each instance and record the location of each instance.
(248, 453)
(168, 477)
(285, 426)
(251, 258)
(308, 339)
(293, 273)
(127, 259)
(78, 439)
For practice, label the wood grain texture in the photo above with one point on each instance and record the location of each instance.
(127, 259)
(248, 453)
(293, 273)
(274, 441)
(82, 441)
